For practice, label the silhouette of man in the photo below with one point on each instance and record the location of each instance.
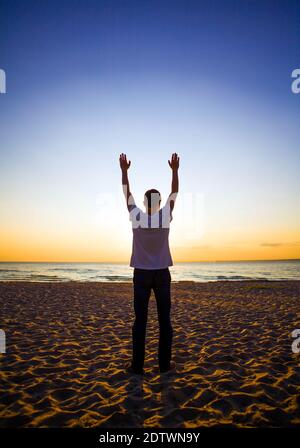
(151, 259)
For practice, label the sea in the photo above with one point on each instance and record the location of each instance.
(116, 272)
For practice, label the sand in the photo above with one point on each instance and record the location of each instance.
(67, 344)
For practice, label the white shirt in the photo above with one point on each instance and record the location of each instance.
(150, 244)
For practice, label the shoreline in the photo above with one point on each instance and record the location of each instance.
(126, 282)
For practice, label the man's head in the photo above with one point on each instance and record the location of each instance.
(152, 200)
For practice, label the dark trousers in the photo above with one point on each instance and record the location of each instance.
(144, 280)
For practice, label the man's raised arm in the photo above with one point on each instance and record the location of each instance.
(174, 165)
(124, 165)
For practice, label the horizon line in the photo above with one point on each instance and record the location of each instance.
(177, 262)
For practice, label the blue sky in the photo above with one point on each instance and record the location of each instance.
(210, 80)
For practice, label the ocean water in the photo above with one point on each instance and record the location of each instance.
(199, 272)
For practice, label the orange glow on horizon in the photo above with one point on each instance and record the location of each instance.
(83, 247)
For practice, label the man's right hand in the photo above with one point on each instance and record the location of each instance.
(124, 165)
(174, 162)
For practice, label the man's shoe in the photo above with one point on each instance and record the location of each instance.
(171, 368)
(132, 371)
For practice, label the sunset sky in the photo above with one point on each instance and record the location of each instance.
(210, 80)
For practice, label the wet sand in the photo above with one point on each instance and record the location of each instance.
(67, 344)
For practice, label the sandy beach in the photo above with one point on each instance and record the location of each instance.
(67, 344)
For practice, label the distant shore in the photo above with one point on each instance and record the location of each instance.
(67, 344)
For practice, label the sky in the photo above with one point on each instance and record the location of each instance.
(210, 80)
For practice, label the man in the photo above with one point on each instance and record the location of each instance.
(151, 259)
